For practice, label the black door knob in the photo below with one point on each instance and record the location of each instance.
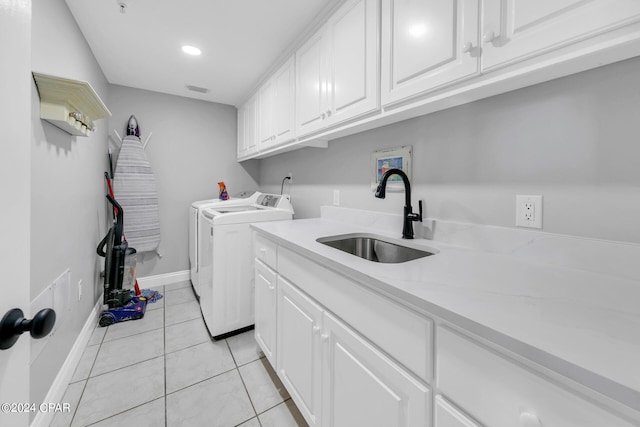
(13, 324)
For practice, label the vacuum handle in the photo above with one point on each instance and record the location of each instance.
(119, 220)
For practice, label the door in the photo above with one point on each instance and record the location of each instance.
(15, 110)
(284, 102)
(265, 116)
(363, 387)
(514, 30)
(266, 295)
(311, 88)
(352, 80)
(299, 353)
(249, 136)
(427, 45)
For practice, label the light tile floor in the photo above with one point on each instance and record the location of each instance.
(164, 370)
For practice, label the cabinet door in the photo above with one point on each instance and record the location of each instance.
(250, 126)
(241, 148)
(427, 44)
(352, 80)
(448, 416)
(310, 85)
(298, 353)
(265, 116)
(265, 306)
(363, 387)
(514, 30)
(283, 124)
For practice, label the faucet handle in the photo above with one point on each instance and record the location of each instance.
(420, 210)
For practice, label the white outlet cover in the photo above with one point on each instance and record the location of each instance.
(521, 211)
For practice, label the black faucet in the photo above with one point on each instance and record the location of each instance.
(409, 216)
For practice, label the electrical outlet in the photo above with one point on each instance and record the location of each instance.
(529, 211)
(336, 197)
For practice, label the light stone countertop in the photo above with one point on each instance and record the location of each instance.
(569, 304)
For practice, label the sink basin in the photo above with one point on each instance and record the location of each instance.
(376, 248)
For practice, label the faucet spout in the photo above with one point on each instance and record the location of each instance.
(409, 216)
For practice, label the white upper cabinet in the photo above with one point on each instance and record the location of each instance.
(276, 100)
(352, 79)
(284, 102)
(310, 87)
(514, 30)
(247, 129)
(337, 69)
(426, 45)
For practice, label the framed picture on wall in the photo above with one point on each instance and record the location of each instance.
(390, 158)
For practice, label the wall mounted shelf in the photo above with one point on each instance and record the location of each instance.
(71, 105)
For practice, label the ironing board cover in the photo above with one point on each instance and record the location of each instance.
(135, 189)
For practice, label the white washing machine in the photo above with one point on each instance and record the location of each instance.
(195, 212)
(226, 262)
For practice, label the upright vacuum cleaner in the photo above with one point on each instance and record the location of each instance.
(119, 274)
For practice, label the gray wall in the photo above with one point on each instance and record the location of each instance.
(573, 140)
(193, 146)
(67, 201)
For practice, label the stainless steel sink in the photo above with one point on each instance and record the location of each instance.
(376, 248)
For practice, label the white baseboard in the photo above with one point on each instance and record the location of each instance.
(60, 383)
(166, 279)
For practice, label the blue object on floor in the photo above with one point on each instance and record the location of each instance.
(149, 294)
(133, 310)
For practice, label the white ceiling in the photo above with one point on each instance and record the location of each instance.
(239, 39)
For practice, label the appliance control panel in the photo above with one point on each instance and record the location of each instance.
(269, 200)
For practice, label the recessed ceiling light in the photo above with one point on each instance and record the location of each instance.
(191, 50)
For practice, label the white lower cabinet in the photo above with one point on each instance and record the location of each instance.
(265, 306)
(498, 392)
(335, 377)
(363, 387)
(299, 351)
(352, 357)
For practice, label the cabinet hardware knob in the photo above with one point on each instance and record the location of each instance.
(323, 115)
(324, 337)
(13, 324)
(316, 329)
(466, 48)
(271, 287)
(527, 419)
(328, 113)
(489, 36)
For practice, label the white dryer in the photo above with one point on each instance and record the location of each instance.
(226, 266)
(195, 212)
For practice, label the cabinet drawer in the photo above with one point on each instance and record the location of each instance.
(500, 393)
(264, 250)
(401, 333)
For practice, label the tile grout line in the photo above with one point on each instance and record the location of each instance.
(120, 413)
(164, 351)
(243, 383)
(86, 380)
